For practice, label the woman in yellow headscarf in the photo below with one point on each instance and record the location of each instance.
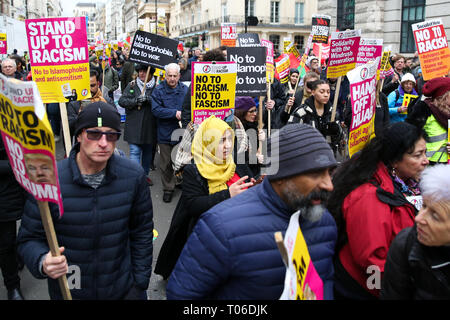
(212, 178)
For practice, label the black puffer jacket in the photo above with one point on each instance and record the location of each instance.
(12, 195)
(415, 271)
(107, 232)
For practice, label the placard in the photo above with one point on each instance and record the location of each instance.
(320, 28)
(363, 84)
(28, 139)
(343, 52)
(432, 46)
(213, 90)
(59, 57)
(251, 70)
(228, 34)
(152, 49)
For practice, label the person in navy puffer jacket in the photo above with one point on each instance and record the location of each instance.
(232, 254)
(107, 226)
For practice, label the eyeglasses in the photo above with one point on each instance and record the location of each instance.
(96, 135)
(93, 85)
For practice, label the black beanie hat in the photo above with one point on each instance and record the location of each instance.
(298, 148)
(97, 114)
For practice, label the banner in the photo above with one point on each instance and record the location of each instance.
(282, 65)
(385, 66)
(369, 50)
(432, 46)
(228, 34)
(270, 66)
(28, 139)
(363, 84)
(302, 282)
(248, 40)
(320, 28)
(154, 50)
(407, 99)
(213, 90)
(286, 42)
(3, 44)
(251, 70)
(343, 52)
(59, 57)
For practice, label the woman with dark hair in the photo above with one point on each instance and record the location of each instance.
(316, 111)
(246, 111)
(372, 202)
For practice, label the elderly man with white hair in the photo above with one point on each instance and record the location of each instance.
(9, 68)
(418, 262)
(167, 100)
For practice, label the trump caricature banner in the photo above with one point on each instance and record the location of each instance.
(28, 139)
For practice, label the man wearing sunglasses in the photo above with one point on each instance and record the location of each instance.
(106, 230)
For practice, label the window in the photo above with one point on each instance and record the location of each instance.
(299, 6)
(299, 42)
(224, 12)
(251, 8)
(413, 11)
(275, 39)
(346, 15)
(274, 12)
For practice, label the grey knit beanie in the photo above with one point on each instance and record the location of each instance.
(298, 148)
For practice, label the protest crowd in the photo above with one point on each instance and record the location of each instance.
(357, 167)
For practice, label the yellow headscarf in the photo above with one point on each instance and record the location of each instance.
(204, 145)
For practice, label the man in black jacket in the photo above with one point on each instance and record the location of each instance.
(12, 198)
(140, 124)
(106, 231)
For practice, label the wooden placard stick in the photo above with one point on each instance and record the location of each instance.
(336, 98)
(65, 127)
(320, 56)
(280, 244)
(145, 84)
(260, 120)
(52, 241)
(269, 115)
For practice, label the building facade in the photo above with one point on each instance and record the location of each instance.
(389, 20)
(201, 19)
(148, 12)
(85, 9)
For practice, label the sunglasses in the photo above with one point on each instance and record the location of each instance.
(96, 135)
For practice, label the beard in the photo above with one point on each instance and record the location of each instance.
(308, 210)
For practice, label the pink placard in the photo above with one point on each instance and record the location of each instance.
(57, 41)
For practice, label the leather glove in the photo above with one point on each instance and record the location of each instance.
(141, 100)
(333, 129)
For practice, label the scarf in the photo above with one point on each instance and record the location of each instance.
(408, 188)
(204, 145)
(98, 96)
(148, 85)
(441, 115)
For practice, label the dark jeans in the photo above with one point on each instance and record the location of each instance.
(8, 256)
(54, 116)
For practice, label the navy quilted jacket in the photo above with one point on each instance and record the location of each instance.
(107, 232)
(232, 254)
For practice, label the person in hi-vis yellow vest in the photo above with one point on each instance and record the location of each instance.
(433, 115)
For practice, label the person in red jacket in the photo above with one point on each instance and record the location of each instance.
(372, 202)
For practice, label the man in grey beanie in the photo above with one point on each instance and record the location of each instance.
(231, 253)
(106, 231)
